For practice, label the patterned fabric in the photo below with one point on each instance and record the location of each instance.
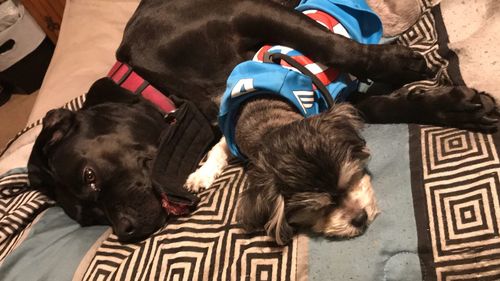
(458, 185)
(455, 179)
(208, 245)
(18, 208)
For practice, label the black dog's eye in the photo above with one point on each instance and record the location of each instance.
(89, 178)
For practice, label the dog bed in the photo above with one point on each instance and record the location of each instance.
(437, 187)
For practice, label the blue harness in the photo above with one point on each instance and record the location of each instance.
(255, 78)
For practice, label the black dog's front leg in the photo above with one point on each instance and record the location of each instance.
(274, 24)
(453, 106)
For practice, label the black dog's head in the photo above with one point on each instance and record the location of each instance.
(96, 162)
(311, 174)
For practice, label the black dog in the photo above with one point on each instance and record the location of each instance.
(96, 162)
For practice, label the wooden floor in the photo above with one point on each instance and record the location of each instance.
(14, 115)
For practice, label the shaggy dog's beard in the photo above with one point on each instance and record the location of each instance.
(304, 173)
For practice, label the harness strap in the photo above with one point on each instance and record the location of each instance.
(276, 57)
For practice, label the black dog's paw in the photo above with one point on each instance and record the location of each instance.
(398, 65)
(462, 107)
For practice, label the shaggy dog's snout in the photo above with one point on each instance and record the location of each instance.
(354, 214)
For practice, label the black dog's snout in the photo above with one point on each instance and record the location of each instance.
(126, 228)
(360, 219)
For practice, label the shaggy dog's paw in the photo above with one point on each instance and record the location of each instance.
(463, 107)
(201, 179)
(398, 65)
(196, 182)
(205, 176)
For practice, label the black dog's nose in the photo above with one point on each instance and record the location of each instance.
(125, 229)
(360, 219)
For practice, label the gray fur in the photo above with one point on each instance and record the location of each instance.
(296, 165)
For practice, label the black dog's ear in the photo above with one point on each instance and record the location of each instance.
(106, 90)
(57, 123)
(261, 206)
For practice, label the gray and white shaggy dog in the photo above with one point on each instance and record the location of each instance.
(311, 173)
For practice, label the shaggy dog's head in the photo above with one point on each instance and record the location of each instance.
(311, 174)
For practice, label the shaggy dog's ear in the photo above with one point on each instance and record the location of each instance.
(57, 124)
(106, 90)
(346, 118)
(261, 204)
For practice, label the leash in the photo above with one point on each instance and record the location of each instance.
(276, 57)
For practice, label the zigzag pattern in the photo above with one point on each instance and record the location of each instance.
(422, 38)
(18, 207)
(207, 245)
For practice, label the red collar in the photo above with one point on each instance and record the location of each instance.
(124, 76)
